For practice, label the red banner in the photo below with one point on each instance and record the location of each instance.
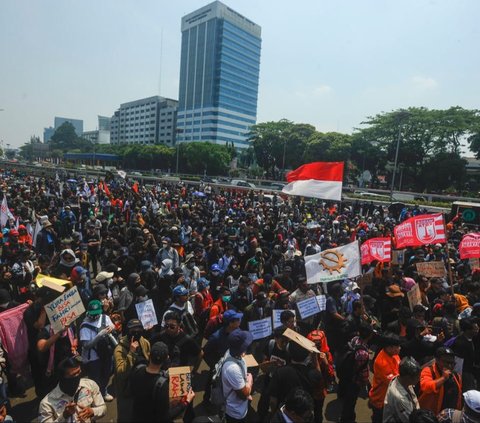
(379, 249)
(470, 246)
(420, 230)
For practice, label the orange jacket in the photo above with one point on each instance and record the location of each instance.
(431, 397)
(217, 308)
(385, 369)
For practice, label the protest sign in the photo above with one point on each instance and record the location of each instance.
(146, 314)
(474, 263)
(250, 360)
(179, 382)
(322, 302)
(365, 280)
(300, 340)
(260, 328)
(458, 365)
(431, 269)
(398, 257)
(414, 296)
(56, 284)
(65, 309)
(276, 317)
(308, 307)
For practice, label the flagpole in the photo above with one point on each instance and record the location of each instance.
(449, 266)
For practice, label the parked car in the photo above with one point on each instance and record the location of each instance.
(242, 183)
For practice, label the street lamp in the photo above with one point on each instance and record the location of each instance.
(400, 117)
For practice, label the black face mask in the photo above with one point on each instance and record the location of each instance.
(69, 385)
(136, 336)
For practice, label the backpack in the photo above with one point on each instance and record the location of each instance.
(217, 397)
(162, 379)
(188, 322)
(346, 363)
(104, 347)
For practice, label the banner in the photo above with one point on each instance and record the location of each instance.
(378, 249)
(334, 264)
(470, 246)
(65, 309)
(260, 328)
(308, 307)
(420, 230)
(146, 314)
(431, 269)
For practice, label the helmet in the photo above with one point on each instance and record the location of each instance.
(179, 290)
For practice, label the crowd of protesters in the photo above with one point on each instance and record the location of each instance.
(212, 260)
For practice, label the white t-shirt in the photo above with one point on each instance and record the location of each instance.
(87, 334)
(234, 376)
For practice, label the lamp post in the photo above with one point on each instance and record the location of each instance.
(400, 117)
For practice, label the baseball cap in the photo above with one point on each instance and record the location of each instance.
(140, 291)
(179, 290)
(472, 400)
(103, 276)
(230, 315)
(202, 283)
(444, 351)
(100, 290)
(77, 271)
(13, 232)
(238, 342)
(159, 352)
(94, 308)
(134, 324)
(112, 267)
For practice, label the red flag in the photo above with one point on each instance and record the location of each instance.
(135, 187)
(379, 249)
(420, 230)
(317, 179)
(470, 246)
(107, 191)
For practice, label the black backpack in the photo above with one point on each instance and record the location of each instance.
(188, 322)
(346, 363)
(104, 347)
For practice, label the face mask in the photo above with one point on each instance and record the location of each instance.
(69, 386)
(136, 336)
(226, 298)
(110, 282)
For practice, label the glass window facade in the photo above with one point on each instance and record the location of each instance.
(219, 73)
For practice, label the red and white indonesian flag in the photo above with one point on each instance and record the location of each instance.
(317, 179)
(379, 249)
(420, 230)
(470, 246)
(334, 264)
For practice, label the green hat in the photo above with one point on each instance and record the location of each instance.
(94, 308)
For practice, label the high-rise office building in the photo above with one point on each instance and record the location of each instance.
(219, 71)
(150, 120)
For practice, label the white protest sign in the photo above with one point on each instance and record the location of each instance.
(322, 302)
(458, 365)
(276, 317)
(260, 328)
(308, 307)
(146, 314)
(65, 309)
(414, 296)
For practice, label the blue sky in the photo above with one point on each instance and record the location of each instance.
(327, 63)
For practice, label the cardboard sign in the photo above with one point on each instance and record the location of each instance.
(474, 263)
(250, 361)
(414, 296)
(276, 317)
(431, 269)
(308, 307)
(146, 314)
(300, 340)
(365, 280)
(260, 328)
(56, 284)
(398, 257)
(65, 309)
(179, 382)
(322, 302)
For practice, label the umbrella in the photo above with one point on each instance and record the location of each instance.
(72, 181)
(199, 194)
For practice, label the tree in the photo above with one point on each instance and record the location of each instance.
(204, 157)
(442, 171)
(65, 139)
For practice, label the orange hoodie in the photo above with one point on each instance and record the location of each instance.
(385, 369)
(431, 397)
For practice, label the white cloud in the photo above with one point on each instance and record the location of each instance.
(322, 89)
(424, 82)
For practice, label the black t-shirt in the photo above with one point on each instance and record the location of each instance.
(182, 349)
(450, 395)
(293, 376)
(62, 346)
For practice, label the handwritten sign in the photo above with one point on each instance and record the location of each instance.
(65, 309)
(308, 307)
(300, 340)
(414, 296)
(260, 328)
(431, 269)
(179, 382)
(276, 317)
(146, 314)
(398, 257)
(322, 302)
